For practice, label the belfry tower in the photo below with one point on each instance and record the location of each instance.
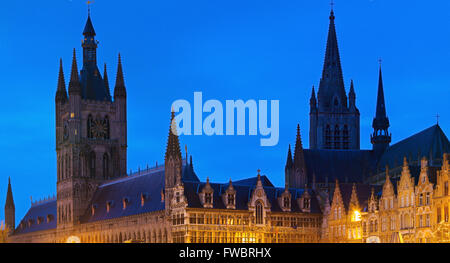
(334, 117)
(91, 131)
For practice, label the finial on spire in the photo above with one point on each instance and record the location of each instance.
(380, 61)
(437, 118)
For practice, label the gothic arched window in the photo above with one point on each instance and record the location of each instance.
(259, 213)
(92, 164)
(337, 137)
(105, 166)
(328, 137)
(106, 123)
(89, 126)
(345, 137)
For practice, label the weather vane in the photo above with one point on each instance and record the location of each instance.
(332, 4)
(89, 2)
(380, 61)
(437, 118)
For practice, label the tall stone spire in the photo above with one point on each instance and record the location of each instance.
(10, 209)
(331, 89)
(119, 89)
(380, 137)
(74, 83)
(173, 144)
(61, 93)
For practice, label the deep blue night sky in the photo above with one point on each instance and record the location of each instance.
(228, 50)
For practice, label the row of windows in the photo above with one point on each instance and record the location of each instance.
(88, 166)
(337, 139)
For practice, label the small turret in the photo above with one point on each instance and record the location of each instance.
(61, 93)
(313, 101)
(74, 84)
(381, 138)
(352, 97)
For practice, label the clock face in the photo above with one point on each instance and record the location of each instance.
(99, 129)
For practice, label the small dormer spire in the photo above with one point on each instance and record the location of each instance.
(61, 94)
(74, 84)
(120, 90)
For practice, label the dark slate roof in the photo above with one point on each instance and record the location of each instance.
(344, 165)
(431, 141)
(92, 85)
(252, 181)
(41, 210)
(149, 183)
(243, 195)
(89, 28)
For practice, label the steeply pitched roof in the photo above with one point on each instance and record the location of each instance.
(243, 195)
(344, 165)
(41, 211)
(89, 28)
(332, 81)
(431, 141)
(252, 181)
(149, 183)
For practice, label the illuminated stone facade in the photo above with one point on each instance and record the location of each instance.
(415, 211)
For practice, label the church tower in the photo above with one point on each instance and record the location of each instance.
(334, 117)
(91, 131)
(10, 210)
(381, 138)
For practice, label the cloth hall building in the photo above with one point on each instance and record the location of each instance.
(97, 201)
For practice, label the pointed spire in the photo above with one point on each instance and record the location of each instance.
(382, 120)
(289, 162)
(299, 160)
(352, 94)
(61, 94)
(354, 203)
(313, 100)
(190, 163)
(106, 81)
(9, 196)
(332, 81)
(89, 28)
(119, 90)
(74, 84)
(173, 143)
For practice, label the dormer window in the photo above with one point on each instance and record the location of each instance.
(49, 218)
(39, 220)
(93, 209)
(125, 202)
(206, 195)
(144, 197)
(208, 198)
(109, 205)
(286, 202)
(229, 197)
(230, 200)
(30, 222)
(306, 203)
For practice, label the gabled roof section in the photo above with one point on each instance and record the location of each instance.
(39, 217)
(431, 142)
(363, 192)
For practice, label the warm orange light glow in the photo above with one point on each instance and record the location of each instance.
(73, 239)
(356, 216)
